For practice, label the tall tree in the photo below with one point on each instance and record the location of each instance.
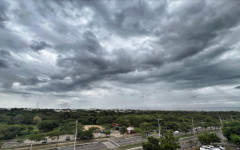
(123, 130)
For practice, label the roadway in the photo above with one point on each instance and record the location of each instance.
(116, 142)
(89, 146)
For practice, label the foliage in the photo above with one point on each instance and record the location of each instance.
(185, 127)
(123, 130)
(37, 137)
(208, 138)
(146, 127)
(47, 125)
(9, 132)
(69, 128)
(151, 144)
(37, 119)
(235, 139)
(169, 142)
(84, 134)
(104, 120)
(166, 142)
(107, 133)
(53, 134)
(123, 121)
(231, 131)
(94, 129)
(231, 128)
(171, 120)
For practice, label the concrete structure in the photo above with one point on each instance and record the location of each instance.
(129, 130)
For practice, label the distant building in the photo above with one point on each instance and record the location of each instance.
(129, 130)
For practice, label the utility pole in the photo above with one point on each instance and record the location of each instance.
(37, 105)
(220, 121)
(159, 127)
(31, 145)
(193, 126)
(58, 131)
(75, 136)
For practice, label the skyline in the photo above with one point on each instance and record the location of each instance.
(119, 54)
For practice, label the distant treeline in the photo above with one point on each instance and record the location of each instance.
(15, 123)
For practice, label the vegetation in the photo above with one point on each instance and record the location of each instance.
(166, 142)
(85, 134)
(123, 130)
(208, 138)
(36, 124)
(231, 130)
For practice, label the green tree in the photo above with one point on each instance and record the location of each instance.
(152, 144)
(85, 134)
(169, 142)
(37, 137)
(123, 121)
(53, 134)
(47, 125)
(235, 139)
(185, 127)
(205, 126)
(208, 138)
(123, 130)
(107, 132)
(18, 118)
(37, 119)
(166, 142)
(230, 128)
(146, 127)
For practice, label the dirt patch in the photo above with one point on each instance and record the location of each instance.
(86, 127)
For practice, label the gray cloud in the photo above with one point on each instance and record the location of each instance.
(90, 48)
(4, 53)
(3, 63)
(3, 16)
(37, 46)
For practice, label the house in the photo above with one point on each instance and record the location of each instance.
(129, 130)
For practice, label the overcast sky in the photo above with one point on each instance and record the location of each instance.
(153, 54)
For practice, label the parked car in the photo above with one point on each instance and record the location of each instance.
(176, 132)
(210, 147)
(68, 138)
(44, 141)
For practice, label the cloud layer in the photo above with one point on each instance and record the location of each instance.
(120, 54)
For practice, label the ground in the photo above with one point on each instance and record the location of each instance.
(86, 127)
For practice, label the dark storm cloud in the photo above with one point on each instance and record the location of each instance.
(237, 87)
(79, 44)
(3, 16)
(39, 45)
(4, 53)
(3, 63)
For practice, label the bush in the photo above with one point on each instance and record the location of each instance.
(208, 138)
(235, 139)
(231, 128)
(85, 135)
(47, 125)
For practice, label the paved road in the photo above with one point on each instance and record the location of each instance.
(115, 142)
(90, 146)
(129, 141)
